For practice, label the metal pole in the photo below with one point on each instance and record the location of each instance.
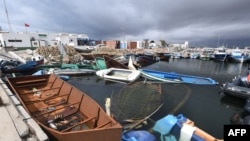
(6, 11)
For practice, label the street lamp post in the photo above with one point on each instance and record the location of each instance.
(123, 33)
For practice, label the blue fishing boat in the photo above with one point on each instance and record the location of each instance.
(11, 66)
(173, 128)
(238, 56)
(172, 77)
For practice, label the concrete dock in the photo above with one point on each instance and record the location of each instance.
(15, 122)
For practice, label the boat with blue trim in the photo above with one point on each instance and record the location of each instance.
(172, 77)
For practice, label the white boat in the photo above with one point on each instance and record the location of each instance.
(238, 56)
(220, 54)
(117, 74)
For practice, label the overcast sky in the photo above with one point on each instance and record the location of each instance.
(200, 22)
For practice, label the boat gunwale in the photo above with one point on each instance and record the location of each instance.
(114, 125)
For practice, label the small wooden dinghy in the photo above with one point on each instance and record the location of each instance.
(64, 111)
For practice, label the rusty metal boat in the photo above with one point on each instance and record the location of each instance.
(64, 111)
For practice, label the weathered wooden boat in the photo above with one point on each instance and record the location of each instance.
(172, 77)
(163, 56)
(239, 87)
(181, 128)
(64, 111)
(111, 63)
(116, 74)
(123, 59)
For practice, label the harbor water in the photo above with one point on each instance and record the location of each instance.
(202, 104)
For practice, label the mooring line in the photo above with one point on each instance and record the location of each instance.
(182, 102)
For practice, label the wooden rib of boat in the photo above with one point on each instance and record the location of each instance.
(172, 77)
(64, 111)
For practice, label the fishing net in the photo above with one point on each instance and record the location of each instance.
(136, 101)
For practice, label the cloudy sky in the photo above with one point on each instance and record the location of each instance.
(200, 22)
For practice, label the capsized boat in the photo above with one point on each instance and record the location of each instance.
(64, 111)
(172, 77)
(239, 87)
(117, 74)
(181, 128)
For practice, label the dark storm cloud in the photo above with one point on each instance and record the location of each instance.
(202, 23)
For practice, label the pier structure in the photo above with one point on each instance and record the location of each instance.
(16, 123)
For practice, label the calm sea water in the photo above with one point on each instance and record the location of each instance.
(201, 104)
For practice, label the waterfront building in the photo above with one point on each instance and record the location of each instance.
(24, 39)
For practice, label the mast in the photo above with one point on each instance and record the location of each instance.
(6, 11)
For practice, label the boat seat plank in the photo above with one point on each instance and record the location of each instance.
(31, 81)
(65, 112)
(39, 90)
(31, 84)
(57, 108)
(36, 99)
(80, 123)
(104, 124)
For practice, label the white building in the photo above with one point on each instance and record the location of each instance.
(183, 46)
(21, 39)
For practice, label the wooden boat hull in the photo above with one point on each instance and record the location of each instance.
(176, 78)
(64, 111)
(145, 60)
(111, 63)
